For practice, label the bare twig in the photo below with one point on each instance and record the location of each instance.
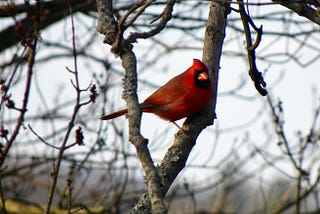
(6, 83)
(166, 16)
(76, 108)
(32, 45)
(122, 25)
(254, 73)
(41, 139)
(139, 12)
(281, 133)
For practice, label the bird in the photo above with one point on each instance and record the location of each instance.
(182, 96)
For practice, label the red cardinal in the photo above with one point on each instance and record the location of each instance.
(182, 96)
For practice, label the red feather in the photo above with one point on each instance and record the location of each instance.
(182, 96)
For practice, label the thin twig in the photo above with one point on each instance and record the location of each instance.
(76, 108)
(31, 60)
(41, 139)
(13, 73)
(281, 133)
(254, 73)
(116, 46)
(142, 9)
(165, 18)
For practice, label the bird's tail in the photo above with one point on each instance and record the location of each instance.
(114, 114)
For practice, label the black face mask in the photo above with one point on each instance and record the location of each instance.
(203, 84)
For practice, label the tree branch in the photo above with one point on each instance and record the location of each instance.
(135, 137)
(302, 9)
(175, 158)
(282, 136)
(165, 17)
(254, 73)
(107, 25)
(51, 12)
(124, 49)
(31, 60)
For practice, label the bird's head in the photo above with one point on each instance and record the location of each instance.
(200, 74)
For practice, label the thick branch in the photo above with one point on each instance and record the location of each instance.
(176, 156)
(113, 32)
(106, 22)
(302, 9)
(51, 12)
(134, 116)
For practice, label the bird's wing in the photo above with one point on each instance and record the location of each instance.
(166, 94)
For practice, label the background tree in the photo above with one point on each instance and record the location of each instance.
(54, 63)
